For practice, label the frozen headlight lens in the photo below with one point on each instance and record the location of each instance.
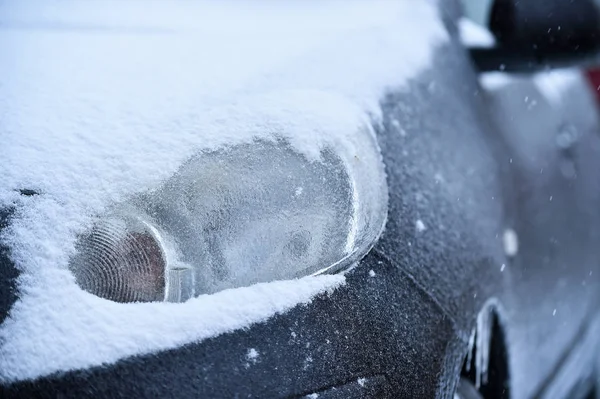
(241, 215)
(121, 259)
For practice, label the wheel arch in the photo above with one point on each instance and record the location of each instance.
(486, 362)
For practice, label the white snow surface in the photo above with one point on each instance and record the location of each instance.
(101, 101)
(474, 35)
(492, 81)
(554, 84)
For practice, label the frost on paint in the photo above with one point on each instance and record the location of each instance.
(93, 117)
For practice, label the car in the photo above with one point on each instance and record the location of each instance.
(299, 200)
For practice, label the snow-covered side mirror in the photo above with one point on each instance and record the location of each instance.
(540, 34)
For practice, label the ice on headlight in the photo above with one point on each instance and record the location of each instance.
(237, 216)
(121, 259)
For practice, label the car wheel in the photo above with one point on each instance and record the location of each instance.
(466, 390)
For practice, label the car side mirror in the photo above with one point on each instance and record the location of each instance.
(540, 34)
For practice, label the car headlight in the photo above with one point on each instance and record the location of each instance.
(244, 214)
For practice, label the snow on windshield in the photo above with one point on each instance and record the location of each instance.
(99, 102)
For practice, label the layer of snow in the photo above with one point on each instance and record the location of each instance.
(475, 35)
(554, 84)
(495, 80)
(60, 327)
(101, 101)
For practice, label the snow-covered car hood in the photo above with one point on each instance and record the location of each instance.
(100, 101)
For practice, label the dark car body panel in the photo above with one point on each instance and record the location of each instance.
(8, 271)
(359, 331)
(468, 164)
